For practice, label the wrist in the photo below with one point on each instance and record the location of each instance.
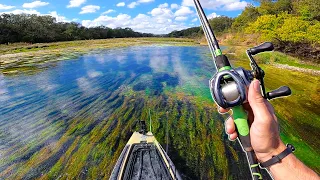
(263, 157)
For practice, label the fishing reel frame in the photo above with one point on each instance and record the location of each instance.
(240, 77)
(229, 86)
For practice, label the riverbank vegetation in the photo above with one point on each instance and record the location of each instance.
(292, 25)
(42, 29)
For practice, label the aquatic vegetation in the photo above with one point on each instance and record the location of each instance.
(72, 120)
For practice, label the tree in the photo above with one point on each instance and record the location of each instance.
(35, 29)
(308, 9)
(248, 15)
(221, 24)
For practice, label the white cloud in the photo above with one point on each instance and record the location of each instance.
(181, 18)
(133, 5)
(89, 9)
(75, 3)
(160, 20)
(22, 11)
(236, 6)
(213, 15)
(145, 1)
(174, 6)
(120, 4)
(159, 24)
(34, 4)
(222, 5)
(5, 7)
(108, 11)
(54, 14)
(163, 5)
(162, 12)
(183, 11)
(58, 17)
(195, 19)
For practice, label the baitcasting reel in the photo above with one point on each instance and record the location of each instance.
(229, 86)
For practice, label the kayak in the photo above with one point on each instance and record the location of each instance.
(144, 158)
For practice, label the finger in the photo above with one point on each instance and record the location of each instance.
(250, 113)
(222, 110)
(270, 108)
(230, 126)
(247, 106)
(258, 103)
(233, 136)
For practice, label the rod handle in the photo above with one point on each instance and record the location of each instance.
(241, 121)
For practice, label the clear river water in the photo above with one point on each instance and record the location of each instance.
(73, 119)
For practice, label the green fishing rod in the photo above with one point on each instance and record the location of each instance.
(229, 87)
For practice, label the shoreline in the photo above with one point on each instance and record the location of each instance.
(31, 58)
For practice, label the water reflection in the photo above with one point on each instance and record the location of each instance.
(73, 119)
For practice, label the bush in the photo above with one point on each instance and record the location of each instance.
(286, 28)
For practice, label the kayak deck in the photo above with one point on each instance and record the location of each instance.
(143, 158)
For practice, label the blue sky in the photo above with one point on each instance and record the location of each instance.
(152, 16)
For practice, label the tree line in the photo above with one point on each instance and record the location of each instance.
(40, 29)
(292, 25)
(221, 24)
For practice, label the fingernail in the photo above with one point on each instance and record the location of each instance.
(256, 86)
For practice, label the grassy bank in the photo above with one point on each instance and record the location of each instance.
(31, 58)
(240, 42)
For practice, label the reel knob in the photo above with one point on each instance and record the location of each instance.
(280, 92)
(267, 46)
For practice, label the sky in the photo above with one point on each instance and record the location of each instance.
(148, 16)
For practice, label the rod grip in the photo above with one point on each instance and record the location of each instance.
(241, 121)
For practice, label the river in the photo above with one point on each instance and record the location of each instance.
(73, 119)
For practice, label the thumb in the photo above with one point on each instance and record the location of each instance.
(257, 102)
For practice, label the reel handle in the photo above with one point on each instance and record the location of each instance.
(267, 46)
(280, 92)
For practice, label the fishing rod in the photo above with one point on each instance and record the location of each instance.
(229, 87)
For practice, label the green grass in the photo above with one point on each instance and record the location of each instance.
(281, 58)
(273, 58)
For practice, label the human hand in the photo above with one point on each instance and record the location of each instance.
(264, 128)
